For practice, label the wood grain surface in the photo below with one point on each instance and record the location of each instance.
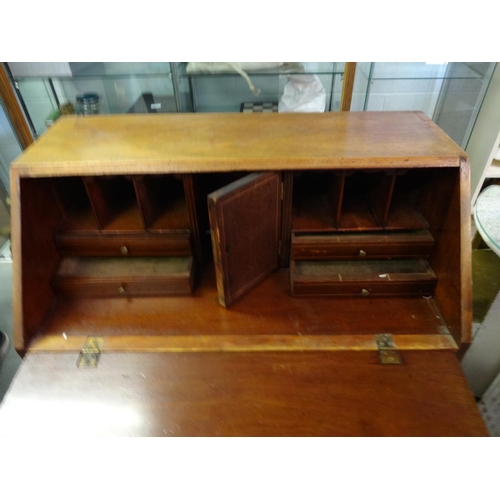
(241, 394)
(240, 343)
(182, 143)
(347, 86)
(268, 309)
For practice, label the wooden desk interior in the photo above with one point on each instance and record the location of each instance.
(234, 239)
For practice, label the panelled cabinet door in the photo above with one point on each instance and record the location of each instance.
(245, 219)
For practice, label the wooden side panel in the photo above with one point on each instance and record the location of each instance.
(241, 394)
(190, 194)
(75, 205)
(162, 202)
(465, 268)
(114, 202)
(357, 212)
(245, 219)
(286, 219)
(446, 207)
(35, 217)
(382, 196)
(337, 196)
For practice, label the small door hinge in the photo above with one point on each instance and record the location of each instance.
(387, 350)
(90, 353)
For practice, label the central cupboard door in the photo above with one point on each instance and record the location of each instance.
(245, 224)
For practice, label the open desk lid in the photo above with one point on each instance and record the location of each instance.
(273, 393)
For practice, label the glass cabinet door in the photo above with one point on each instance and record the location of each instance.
(122, 87)
(450, 93)
(46, 89)
(9, 149)
(216, 87)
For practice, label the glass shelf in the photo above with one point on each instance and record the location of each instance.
(119, 69)
(423, 71)
(100, 77)
(9, 150)
(316, 68)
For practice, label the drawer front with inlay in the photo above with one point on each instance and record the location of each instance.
(362, 246)
(124, 245)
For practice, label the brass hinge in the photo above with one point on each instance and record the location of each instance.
(90, 353)
(387, 350)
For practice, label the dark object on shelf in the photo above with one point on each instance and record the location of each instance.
(149, 103)
(67, 108)
(87, 103)
(259, 107)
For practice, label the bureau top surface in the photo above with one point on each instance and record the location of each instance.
(223, 142)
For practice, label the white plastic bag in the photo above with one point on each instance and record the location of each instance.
(303, 94)
(238, 67)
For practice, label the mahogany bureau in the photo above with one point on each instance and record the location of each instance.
(224, 274)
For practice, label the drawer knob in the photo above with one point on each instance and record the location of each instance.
(121, 290)
(124, 250)
(362, 253)
(364, 292)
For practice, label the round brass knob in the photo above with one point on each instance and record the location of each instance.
(124, 250)
(362, 253)
(121, 290)
(365, 292)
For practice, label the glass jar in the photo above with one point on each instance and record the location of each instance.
(87, 103)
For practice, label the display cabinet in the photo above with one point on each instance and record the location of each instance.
(484, 143)
(159, 87)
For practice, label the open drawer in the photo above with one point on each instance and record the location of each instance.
(116, 276)
(370, 277)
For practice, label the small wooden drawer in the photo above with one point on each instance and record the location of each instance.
(120, 277)
(174, 244)
(363, 278)
(364, 246)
